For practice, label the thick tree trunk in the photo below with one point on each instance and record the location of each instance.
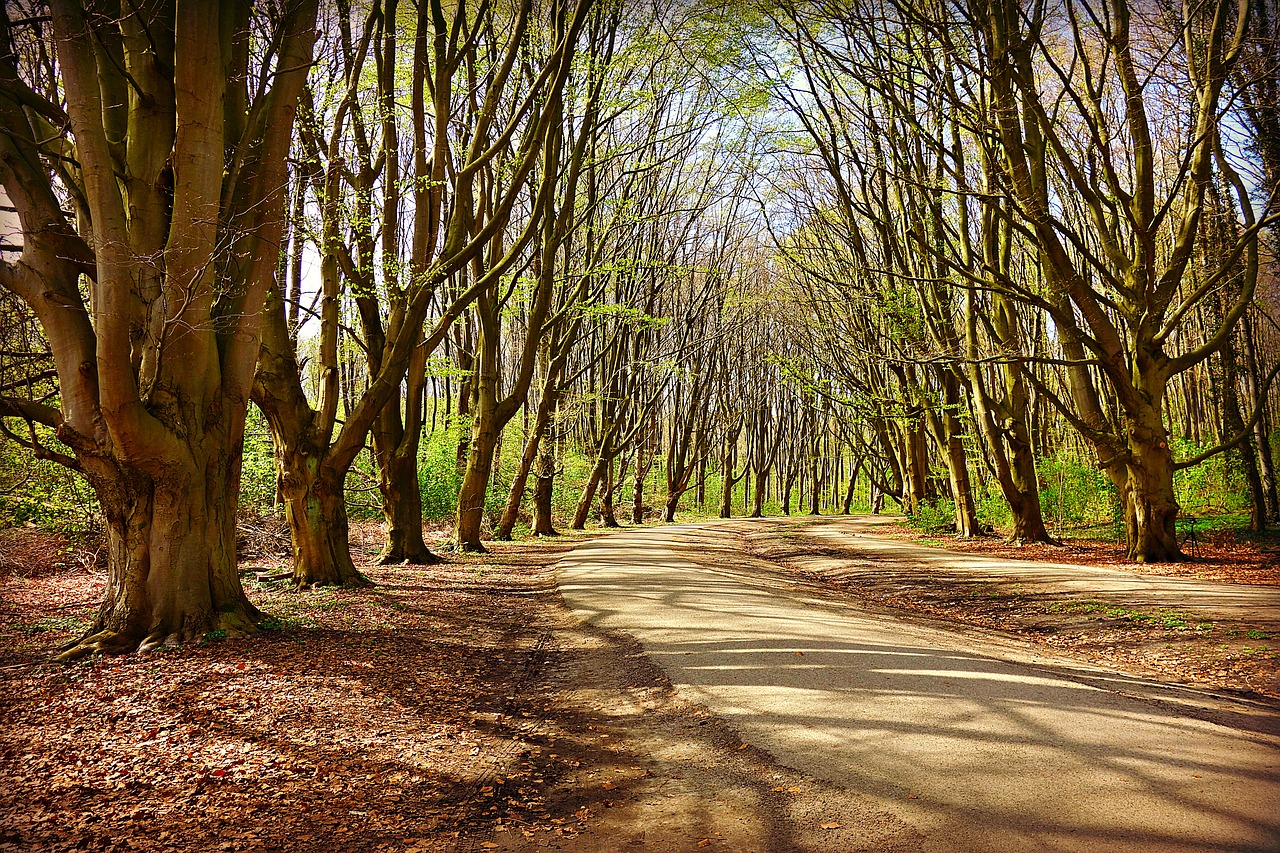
(475, 481)
(316, 509)
(542, 492)
(402, 512)
(171, 574)
(1152, 508)
(1027, 516)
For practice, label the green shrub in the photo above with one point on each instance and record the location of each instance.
(1074, 492)
(1214, 486)
(438, 476)
(934, 516)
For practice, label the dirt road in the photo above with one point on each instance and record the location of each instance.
(952, 739)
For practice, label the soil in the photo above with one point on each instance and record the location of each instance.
(456, 707)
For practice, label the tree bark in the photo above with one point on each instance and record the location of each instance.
(315, 507)
(757, 498)
(589, 493)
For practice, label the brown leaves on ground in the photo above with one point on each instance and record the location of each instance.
(383, 718)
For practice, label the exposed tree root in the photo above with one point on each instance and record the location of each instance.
(240, 622)
(397, 557)
(1019, 541)
(358, 581)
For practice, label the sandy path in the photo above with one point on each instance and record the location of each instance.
(962, 742)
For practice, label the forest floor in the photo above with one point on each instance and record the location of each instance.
(457, 707)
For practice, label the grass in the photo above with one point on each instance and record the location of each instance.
(1171, 620)
(51, 624)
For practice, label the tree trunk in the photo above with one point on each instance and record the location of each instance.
(396, 451)
(608, 517)
(669, 509)
(1024, 497)
(1266, 464)
(475, 479)
(853, 483)
(542, 490)
(1152, 508)
(316, 509)
(544, 483)
(588, 494)
(815, 488)
(916, 468)
(726, 485)
(637, 499)
(171, 574)
(402, 511)
(757, 503)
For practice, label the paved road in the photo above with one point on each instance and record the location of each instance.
(972, 744)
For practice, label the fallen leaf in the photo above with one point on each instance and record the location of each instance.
(706, 842)
(608, 786)
(831, 824)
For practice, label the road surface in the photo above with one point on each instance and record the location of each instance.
(966, 742)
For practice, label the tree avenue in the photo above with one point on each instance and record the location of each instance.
(525, 266)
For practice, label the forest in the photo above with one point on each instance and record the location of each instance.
(518, 267)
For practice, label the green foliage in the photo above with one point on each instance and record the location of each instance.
(993, 510)
(438, 476)
(258, 465)
(1214, 486)
(934, 516)
(1075, 493)
(43, 493)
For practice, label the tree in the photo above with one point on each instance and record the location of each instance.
(175, 168)
(460, 209)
